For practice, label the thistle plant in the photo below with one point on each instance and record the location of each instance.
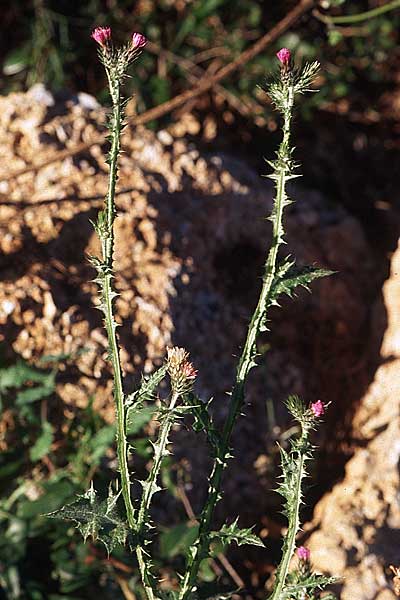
(302, 583)
(101, 519)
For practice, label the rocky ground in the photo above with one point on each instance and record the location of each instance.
(355, 529)
(191, 242)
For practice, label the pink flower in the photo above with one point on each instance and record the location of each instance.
(101, 35)
(284, 56)
(188, 370)
(303, 553)
(318, 408)
(138, 41)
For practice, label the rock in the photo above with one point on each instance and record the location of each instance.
(191, 244)
(358, 523)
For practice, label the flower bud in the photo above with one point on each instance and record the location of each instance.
(181, 371)
(318, 408)
(101, 35)
(138, 41)
(284, 56)
(303, 553)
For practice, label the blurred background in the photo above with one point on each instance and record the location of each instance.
(56, 430)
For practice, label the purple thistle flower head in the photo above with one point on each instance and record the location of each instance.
(318, 408)
(303, 553)
(138, 41)
(101, 35)
(284, 56)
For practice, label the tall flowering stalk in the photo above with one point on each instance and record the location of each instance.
(115, 64)
(277, 279)
(100, 518)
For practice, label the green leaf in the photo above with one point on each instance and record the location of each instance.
(177, 540)
(161, 88)
(17, 60)
(33, 394)
(232, 533)
(101, 441)
(289, 277)
(55, 493)
(96, 518)
(137, 418)
(42, 445)
(334, 37)
(207, 7)
(21, 373)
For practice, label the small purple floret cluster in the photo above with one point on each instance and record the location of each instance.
(102, 35)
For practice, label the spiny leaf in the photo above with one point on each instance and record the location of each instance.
(150, 487)
(299, 581)
(96, 518)
(289, 277)
(203, 419)
(232, 533)
(304, 77)
(148, 387)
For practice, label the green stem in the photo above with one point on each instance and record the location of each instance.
(106, 233)
(364, 16)
(246, 362)
(290, 537)
(159, 454)
(149, 490)
(145, 573)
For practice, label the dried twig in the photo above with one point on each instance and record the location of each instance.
(203, 85)
(359, 17)
(125, 589)
(194, 73)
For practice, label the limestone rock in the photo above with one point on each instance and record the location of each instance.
(358, 523)
(191, 243)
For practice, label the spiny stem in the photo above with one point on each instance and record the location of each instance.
(148, 492)
(159, 454)
(106, 233)
(246, 362)
(145, 573)
(293, 528)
